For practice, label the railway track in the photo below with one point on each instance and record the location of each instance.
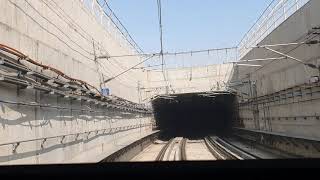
(209, 148)
(219, 151)
(183, 149)
(163, 150)
(242, 153)
(173, 150)
(224, 150)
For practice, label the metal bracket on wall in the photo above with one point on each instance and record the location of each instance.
(14, 147)
(76, 137)
(43, 142)
(30, 79)
(62, 138)
(88, 135)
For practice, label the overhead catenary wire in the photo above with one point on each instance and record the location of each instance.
(22, 56)
(41, 26)
(85, 35)
(119, 80)
(253, 25)
(89, 39)
(115, 63)
(135, 45)
(149, 66)
(59, 29)
(309, 39)
(57, 36)
(112, 78)
(68, 20)
(115, 70)
(168, 53)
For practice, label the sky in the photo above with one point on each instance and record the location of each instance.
(188, 24)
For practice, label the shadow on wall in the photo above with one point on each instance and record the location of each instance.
(24, 115)
(47, 149)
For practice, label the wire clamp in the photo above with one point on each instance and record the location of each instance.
(42, 143)
(62, 138)
(14, 147)
(77, 135)
(311, 42)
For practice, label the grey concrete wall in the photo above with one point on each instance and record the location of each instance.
(186, 80)
(293, 116)
(61, 33)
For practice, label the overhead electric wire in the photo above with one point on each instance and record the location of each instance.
(89, 40)
(50, 22)
(135, 45)
(169, 53)
(118, 20)
(66, 16)
(299, 45)
(117, 65)
(24, 12)
(119, 80)
(261, 15)
(22, 56)
(26, 58)
(308, 38)
(112, 78)
(157, 65)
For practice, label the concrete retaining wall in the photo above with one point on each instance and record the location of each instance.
(298, 115)
(61, 33)
(186, 80)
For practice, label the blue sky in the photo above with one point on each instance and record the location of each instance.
(188, 24)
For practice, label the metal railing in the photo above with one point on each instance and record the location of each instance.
(106, 17)
(276, 13)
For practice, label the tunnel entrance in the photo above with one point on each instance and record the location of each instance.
(195, 115)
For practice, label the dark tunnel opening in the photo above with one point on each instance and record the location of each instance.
(195, 115)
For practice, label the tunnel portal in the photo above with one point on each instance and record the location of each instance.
(195, 115)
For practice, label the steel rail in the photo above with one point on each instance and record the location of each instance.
(164, 150)
(244, 154)
(212, 150)
(223, 152)
(183, 150)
